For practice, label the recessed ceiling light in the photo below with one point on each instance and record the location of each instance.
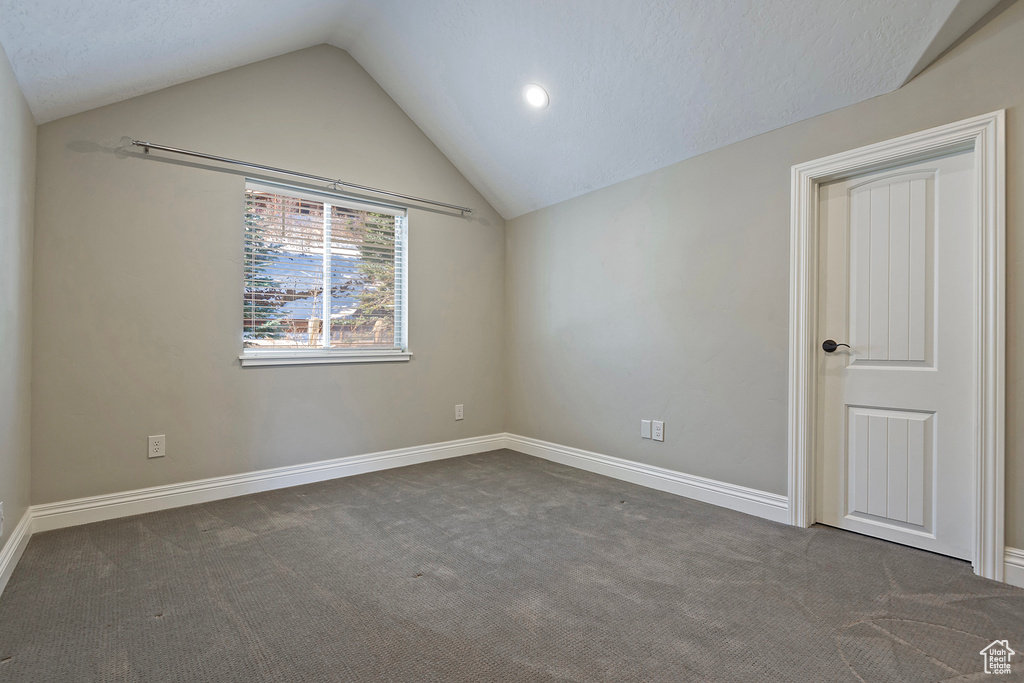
(536, 96)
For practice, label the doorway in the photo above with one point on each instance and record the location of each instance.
(897, 341)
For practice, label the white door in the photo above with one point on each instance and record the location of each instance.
(896, 426)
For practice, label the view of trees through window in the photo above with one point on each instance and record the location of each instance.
(319, 275)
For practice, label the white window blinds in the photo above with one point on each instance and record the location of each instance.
(322, 273)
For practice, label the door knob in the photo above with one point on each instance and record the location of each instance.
(829, 345)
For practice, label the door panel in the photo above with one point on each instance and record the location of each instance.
(890, 233)
(894, 439)
(886, 460)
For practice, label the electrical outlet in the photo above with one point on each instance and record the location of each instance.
(458, 412)
(157, 446)
(1, 519)
(658, 427)
(645, 429)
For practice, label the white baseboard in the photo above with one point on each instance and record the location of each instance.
(98, 508)
(11, 552)
(1013, 567)
(68, 513)
(751, 501)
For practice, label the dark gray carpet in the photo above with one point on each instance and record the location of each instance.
(494, 567)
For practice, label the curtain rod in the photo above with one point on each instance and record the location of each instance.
(146, 146)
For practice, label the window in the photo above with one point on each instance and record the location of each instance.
(325, 278)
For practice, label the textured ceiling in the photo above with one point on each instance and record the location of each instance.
(635, 84)
(73, 55)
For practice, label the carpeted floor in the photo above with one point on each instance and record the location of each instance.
(493, 567)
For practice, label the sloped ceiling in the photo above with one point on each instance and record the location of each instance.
(635, 85)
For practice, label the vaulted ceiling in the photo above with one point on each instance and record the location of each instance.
(635, 85)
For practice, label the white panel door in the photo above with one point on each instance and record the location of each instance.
(897, 279)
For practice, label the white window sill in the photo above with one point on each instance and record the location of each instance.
(260, 358)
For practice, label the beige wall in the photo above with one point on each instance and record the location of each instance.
(17, 185)
(666, 296)
(663, 297)
(138, 287)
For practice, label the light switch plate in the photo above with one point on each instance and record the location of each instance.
(645, 429)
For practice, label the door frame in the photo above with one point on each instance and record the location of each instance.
(985, 136)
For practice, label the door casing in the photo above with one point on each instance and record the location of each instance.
(985, 135)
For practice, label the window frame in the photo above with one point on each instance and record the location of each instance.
(254, 357)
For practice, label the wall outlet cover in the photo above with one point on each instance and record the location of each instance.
(157, 446)
(459, 414)
(658, 429)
